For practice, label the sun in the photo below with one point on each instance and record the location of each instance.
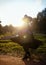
(18, 23)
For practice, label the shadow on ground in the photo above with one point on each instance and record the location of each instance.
(34, 62)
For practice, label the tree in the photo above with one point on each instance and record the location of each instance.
(0, 21)
(28, 21)
(41, 18)
(11, 29)
(27, 18)
(34, 25)
(1, 29)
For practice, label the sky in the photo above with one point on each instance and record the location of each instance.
(12, 11)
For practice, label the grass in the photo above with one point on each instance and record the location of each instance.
(9, 47)
(41, 49)
(4, 41)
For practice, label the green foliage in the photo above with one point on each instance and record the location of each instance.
(41, 37)
(4, 30)
(41, 49)
(4, 41)
(11, 48)
(41, 19)
(8, 47)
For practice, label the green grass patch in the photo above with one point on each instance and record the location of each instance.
(40, 37)
(11, 48)
(4, 41)
(7, 46)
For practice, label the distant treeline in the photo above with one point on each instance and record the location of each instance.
(6, 29)
(38, 24)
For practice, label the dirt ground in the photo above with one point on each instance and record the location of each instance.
(10, 60)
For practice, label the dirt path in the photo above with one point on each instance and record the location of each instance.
(10, 60)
